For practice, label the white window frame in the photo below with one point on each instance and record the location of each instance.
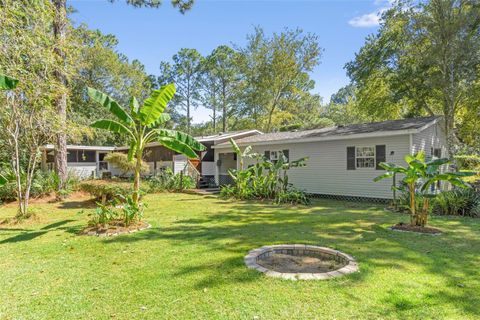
(365, 157)
(273, 152)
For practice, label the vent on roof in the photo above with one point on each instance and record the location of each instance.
(341, 126)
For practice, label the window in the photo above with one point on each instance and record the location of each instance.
(276, 154)
(273, 155)
(365, 157)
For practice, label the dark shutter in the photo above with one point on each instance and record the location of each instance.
(286, 154)
(380, 156)
(437, 152)
(267, 154)
(351, 158)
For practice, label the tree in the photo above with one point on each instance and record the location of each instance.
(27, 116)
(60, 27)
(186, 73)
(422, 174)
(223, 72)
(275, 70)
(100, 66)
(423, 61)
(141, 124)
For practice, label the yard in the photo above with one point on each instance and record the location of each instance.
(190, 265)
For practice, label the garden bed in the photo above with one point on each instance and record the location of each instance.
(409, 228)
(115, 228)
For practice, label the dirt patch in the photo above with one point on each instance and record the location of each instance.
(115, 228)
(298, 264)
(409, 228)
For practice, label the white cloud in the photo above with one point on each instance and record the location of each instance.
(368, 20)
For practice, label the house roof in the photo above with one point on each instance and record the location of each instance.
(226, 135)
(384, 128)
(79, 147)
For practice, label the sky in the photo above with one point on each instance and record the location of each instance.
(155, 35)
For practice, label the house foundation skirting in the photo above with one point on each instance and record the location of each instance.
(347, 198)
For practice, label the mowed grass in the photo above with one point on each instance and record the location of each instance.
(189, 265)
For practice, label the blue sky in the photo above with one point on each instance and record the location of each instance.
(154, 35)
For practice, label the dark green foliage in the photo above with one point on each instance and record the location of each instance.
(167, 181)
(43, 184)
(107, 191)
(102, 216)
(265, 179)
(131, 211)
(462, 202)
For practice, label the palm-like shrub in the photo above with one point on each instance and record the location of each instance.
(419, 176)
(141, 126)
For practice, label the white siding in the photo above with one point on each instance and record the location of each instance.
(83, 170)
(326, 171)
(179, 163)
(208, 168)
(432, 137)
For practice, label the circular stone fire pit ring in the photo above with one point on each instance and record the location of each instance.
(346, 264)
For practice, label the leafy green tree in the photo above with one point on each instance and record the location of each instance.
(27, 117)
(222, 72)
(100, 66)
(419, 176)
(141, 124)
(424, 60)
(275, 72)
(185, 72)
(64, 60)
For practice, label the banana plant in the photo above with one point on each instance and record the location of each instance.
(419, 175)
(141, 125)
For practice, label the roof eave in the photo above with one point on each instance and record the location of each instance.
(332, 138)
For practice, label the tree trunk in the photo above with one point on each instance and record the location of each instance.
(188, 115)
(224, 110)
(60, 32)
(413, 213)
(214, 119)
(136, 178)
(17, 170)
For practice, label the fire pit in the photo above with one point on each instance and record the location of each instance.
(300, 262)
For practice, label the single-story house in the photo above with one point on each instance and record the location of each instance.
(88, 161)
(343, 160)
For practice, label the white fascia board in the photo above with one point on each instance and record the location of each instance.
(78, 147)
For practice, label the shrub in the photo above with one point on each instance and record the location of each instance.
(167, 181)
(131, 211)
(107, 191)
(265, 179)
(292, 196)
(463, 202)
(43, 184)
(102, 216)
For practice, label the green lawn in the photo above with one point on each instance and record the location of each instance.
(189, 265)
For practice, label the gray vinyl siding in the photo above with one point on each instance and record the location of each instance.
(431, 137)
(326, 171)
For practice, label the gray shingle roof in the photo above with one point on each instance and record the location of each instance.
(363, 128)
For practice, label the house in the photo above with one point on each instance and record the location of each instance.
(88, 161)
(343, 160)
